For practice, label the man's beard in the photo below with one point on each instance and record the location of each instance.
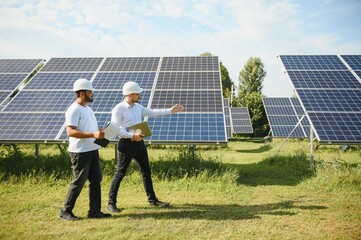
(88, 99)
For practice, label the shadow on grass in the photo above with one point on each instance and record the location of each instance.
(224, 212)
(261, 149)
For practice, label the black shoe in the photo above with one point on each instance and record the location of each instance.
(98, 215)
(68, 216)
(158, 204)
(111, 208)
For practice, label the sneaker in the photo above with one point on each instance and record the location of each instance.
(158, 204)
(112, 208)
(68, 216)
(98, 215)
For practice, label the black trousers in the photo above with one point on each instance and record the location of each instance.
(128, 150)
(85, 166)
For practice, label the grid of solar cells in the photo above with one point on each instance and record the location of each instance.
(3, 97)
(312, 62)
(241, 120)
(227, 118)
(337, 100)
(188, 80)
(354, 61)
(30, 126)
(40, 101)
(72, 65)
(19, 65)
(130, 64)
(323, 79)
(55, 80)
(187, 127)
(116, 80)
(283, 117)
(192, 100)
(104, 101)
(190, 64)
(338, 95)
(10, 82)
(337, 127)
(358, 73)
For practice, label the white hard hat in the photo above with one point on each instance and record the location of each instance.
(131, 87)
(82, 84)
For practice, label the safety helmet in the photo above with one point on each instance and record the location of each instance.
(82, 84)
(131, 87)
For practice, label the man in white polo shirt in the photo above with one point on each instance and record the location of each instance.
(82, 129)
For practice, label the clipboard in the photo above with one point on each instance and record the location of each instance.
(141, 127)
(110, 132)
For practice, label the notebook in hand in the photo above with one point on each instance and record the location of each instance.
(142, 128)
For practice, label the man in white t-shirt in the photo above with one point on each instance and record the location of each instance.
(82, 129)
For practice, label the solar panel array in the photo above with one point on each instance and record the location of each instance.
(237, 120)
(283, 115)
(36, 113)
(13, 72)
(329, 88)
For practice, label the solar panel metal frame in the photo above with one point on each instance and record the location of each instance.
(326, 131)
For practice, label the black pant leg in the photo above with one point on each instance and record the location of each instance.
(95, 178)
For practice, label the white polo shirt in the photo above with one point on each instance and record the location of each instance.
(83, 118)
(125, 115)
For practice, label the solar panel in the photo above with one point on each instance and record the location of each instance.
(193, 100)
(72, 65)
(19, 65)
(312, 62)
(58, 81)
(30, 126)
(283, 115)
(115, 80)
(192, 81)
(241, 120)
(187, 127)
(186, 64)
(354, 61)
(131, 64)
(330, 94)
(10, 82)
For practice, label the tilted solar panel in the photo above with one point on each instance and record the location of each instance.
(19, 65)
(130, 64)
(115, 80)
(312, 62)
(283, 115)
(331, 96)
(241, 120)
(72, 65)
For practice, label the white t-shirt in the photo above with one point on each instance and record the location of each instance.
(83, 118)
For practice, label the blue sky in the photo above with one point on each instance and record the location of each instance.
(234, 30)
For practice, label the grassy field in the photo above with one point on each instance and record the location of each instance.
(242, 191)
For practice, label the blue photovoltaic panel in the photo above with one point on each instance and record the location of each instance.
(115, 80)
(358, 73)
(227, 118)
(3, 97)
(354, 61)
(192, 100)
(332, 99)
(323, 79)
(312, 62)
(186, 64)
(30, 126)
(188, 80)
(337, 127)
(60, 81)
(10, 82)
(19, 65)
(40, 101)
(105, 101)
(187, 127)
(72, 65)
(130, 64)
(283, 115)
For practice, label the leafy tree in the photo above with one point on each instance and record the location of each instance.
(250, 94)
(226, 80)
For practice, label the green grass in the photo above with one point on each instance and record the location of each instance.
(243, 191)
